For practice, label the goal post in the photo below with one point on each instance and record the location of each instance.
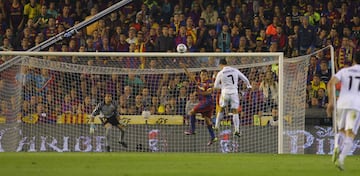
(54, 92)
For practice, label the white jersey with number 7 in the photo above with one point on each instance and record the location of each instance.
(349, 97)
(227, 80)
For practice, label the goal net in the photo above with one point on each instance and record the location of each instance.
(46, 99)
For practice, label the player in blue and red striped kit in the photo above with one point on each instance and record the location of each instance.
(205, 105)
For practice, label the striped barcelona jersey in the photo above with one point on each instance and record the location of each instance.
(202, 87)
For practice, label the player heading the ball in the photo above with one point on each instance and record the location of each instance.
(227, 80)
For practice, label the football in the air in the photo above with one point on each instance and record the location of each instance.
(181, 48)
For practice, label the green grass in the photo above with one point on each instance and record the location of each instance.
(171, 164)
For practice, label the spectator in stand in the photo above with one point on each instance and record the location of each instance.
(190, 44)
(164, 96)
(344, 55)
(320, 41)
(256, 25)
(113, 25)
(269, 87)
(67, 106)
(152, 81)
(317, 83)
(223, 40)
(331, 12)
(12, 37)
(280, 38)
(324, 71)
(181, 37)
(306, 37)
(254, 99)
(131, 36)
(164, 43)
(210, 15)
(139, 104)
(92, 27)
(105, 45)
(52, 10)
(15, 12)
(122, 108)
(25, 44)
(41, 20)
(166, 11)
(313, 67)
(195, 12)
(31, 9)
(129, 96)
(288, 26)
(182, 98)
(209, 40)
(321, 100)
(122, 45)
(243, 47)
(314, 17)
(102, 29)
(355, 27)
(140, 45)
(171, 107)
(6, 46)
(295, 15)
(190, 29)
(290, 49)
(146, 97)
(271, 29)
(51, 29)
(115, 35)
(235, 37)
(346, 32)
(250, 39)
(334, 37)
(154, 105)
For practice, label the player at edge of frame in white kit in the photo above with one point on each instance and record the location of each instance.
(227, 81)
(348, 110)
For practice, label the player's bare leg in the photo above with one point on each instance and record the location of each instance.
(122, 135)
(107, 136)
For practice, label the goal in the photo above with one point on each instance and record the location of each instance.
(46, 99)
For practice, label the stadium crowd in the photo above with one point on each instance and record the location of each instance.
(296, 28)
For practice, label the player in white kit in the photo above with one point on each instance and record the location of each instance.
(348, 109)
(227, 80)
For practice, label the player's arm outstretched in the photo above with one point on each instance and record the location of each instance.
(188, 74)
(245, 79)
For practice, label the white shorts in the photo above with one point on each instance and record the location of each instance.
(232, 99)
(348, 119)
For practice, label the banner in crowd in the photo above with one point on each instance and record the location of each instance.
(156, 138)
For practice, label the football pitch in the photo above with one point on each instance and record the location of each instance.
(171, 164)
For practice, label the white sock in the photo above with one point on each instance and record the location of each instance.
(338, 140)
(219, 117)
(348, 144)
(236, 122)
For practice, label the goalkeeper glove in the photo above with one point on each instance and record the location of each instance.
(92, 127)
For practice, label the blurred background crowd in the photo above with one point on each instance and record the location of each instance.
(295, 27)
